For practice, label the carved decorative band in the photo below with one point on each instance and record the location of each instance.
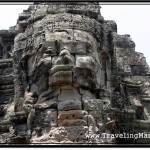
(62, 21)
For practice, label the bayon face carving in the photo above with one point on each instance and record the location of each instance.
(74, 62)
(66, 62)
(63, 77)
(67, 57)
(67, 86)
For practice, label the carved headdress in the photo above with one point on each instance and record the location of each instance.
(58, 16)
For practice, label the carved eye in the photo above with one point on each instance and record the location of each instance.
(50, 51)
(81, 48)
(81, 51)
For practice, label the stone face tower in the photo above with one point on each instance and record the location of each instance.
(75, 78)
(60, 77)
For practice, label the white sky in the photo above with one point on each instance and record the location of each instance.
(130, 19)
(133, 20)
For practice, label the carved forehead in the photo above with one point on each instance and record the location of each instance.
(69, 35)
(68, 21)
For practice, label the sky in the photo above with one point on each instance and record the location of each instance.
(133, 20)
(130, 19)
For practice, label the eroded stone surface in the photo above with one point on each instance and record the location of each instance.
(70, 76)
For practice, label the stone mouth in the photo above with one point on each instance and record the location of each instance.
(55, 69)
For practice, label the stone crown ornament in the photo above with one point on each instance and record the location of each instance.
(69, 21)
(65, 15)
(90, 9)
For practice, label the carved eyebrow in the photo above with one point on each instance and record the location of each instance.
(80, 45)
(48, 48)
(61, 31)
(81, 48)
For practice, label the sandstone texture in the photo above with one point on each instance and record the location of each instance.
(66, 76)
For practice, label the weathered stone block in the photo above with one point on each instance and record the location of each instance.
(72, 122)
(68, 94)
(60, 68)
(72, 118)
(45, 118)
(2, 110)
(72, 114)
(61, 78)
(69, 105)
(93, 104)
(138, 107)
(73, 133)
(51, 117)
(86, 94)
(40, 85)
(47, 103)
(68, 65)
(49, 94)
(85, 62)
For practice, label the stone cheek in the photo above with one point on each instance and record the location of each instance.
(85, 62)
(85, 73)
(40, 85)
(84, 78)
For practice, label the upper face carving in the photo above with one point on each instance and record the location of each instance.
(71, 52)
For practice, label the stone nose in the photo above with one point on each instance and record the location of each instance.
(65, 56)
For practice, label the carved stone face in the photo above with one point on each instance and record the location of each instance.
(69, 57)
